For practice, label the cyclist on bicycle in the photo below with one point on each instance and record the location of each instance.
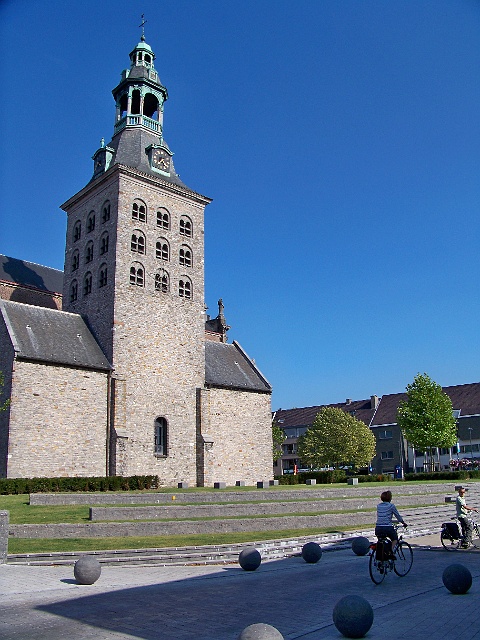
(385, 511)
(462, 515)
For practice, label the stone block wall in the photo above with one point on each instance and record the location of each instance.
(29, 295)
(57, 421)
(240, 424)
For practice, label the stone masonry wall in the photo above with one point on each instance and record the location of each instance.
(240, 425)
(12, 291)
(7, 355)
(57, 422)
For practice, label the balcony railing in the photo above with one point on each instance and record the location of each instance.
(138, 120)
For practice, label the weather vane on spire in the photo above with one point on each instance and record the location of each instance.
(143, 23)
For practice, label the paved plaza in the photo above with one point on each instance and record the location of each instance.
(216, 602)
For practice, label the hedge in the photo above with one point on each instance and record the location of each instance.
(322, 477)
(10, 486)
(443, 475)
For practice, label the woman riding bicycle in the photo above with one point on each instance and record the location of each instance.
(385, 511)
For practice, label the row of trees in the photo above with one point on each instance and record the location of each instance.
(337, 438)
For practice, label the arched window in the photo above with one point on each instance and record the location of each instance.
(87, 284)
(137, 243)
(104, 244)
(75, 260)
(185, 288)
(160, 438)
(186, 227)
(102, 275)
(150, 106)
(162, 281)
(106, 212)
(91, 222)
(139, 211)
(163, 219)
(135, 108)
(73, 291)
(185, 256)
(137, 274)
(89, 252)
(77, 231)
(162, 250)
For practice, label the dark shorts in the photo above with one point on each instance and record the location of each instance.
(386, 532)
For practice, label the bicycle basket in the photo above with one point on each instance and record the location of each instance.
(452, 529)
(384, 550)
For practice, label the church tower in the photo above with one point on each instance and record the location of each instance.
(134, 269)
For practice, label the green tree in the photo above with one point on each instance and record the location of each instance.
(426, 417)
(4, 405)
(278, 437)
(336, 438)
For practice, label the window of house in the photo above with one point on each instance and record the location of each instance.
(185, 227)
(73, 291)
(104, 244)
(163, 219)
(137, 275)
(386, 434)
(106, 212)
(139, 211)
(102, 275)
(89, 252)
(75, 260)
(185, 256)
(387, 455)
(137, 243)
(185, 288)
(77, 231)
(160, 441)
(87, 284)
(91, 222)
(162, 281)
(162, 250)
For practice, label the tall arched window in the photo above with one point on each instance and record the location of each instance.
(162, 281)
(89, 252)
(106, 212)
(186, 226)
(185, 256)
(163, 219)
(75, 260)
(91, 222)
(137, 274)
(139, 211)
(104, 244)
(73, 291)
(87, 284)
(185, 288)
(160, 438)
(162, 250)
(137, 243)
(77, 231)
(102, 275)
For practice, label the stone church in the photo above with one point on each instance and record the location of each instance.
(130, 376)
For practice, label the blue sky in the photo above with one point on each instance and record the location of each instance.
(339, 140)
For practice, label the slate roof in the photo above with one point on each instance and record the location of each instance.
(228, 366)
(465, 397)
(29, 274)
(305, 416)
(49, 335)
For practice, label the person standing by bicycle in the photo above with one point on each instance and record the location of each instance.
(384, 526)
(462, 515)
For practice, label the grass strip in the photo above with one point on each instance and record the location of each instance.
(50, 545)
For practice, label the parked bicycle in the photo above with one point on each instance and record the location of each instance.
(451, 535)
(383, 559)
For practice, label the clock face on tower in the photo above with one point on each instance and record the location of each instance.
(161, 160)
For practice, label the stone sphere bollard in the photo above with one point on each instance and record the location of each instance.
(311, 552)
(353, 616)
(457, 578)
(360, 546)
(87, 570)
(260, 631)
(249, 559)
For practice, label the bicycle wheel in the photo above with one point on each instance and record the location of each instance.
(448, 543)
(403, 559)
(476, 536)
(377, 570)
